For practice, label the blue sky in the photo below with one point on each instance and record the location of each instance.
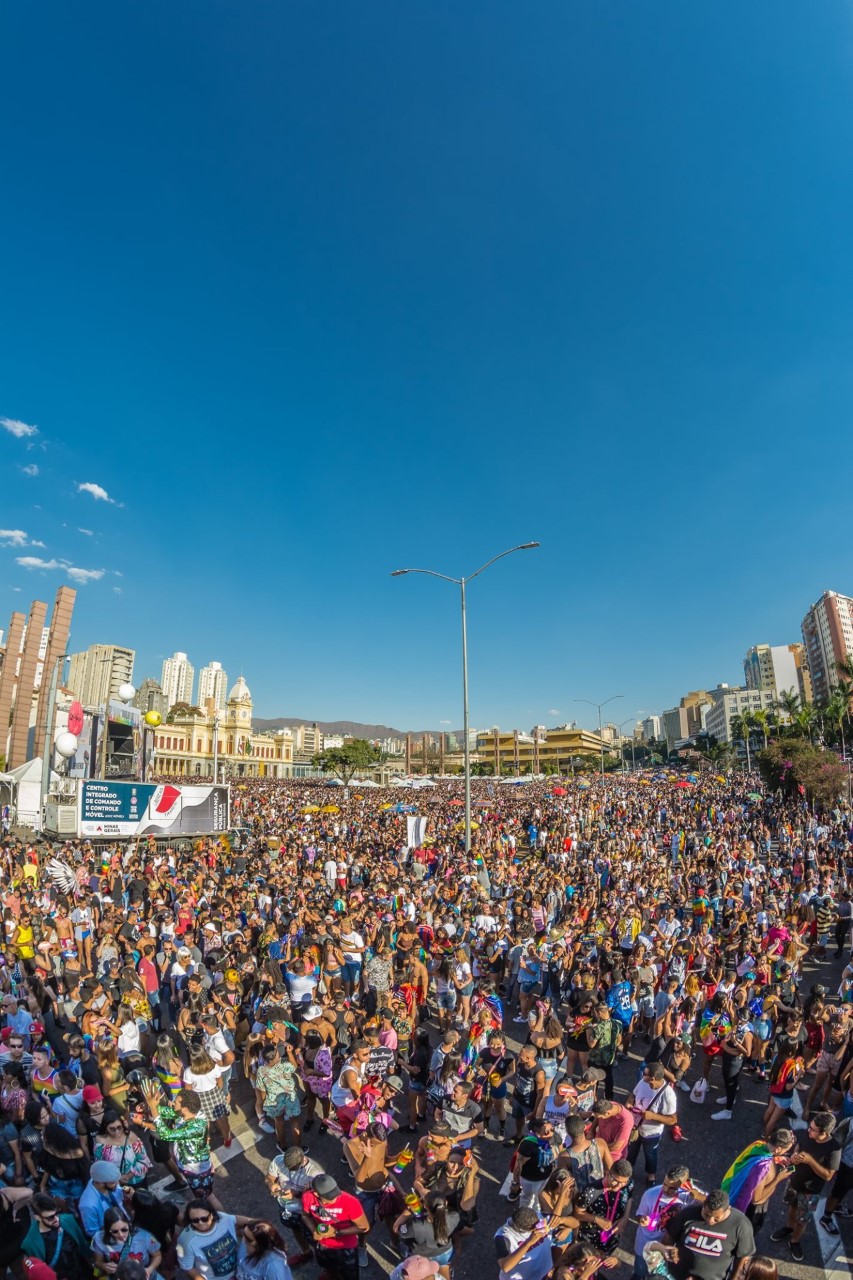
(316, 291)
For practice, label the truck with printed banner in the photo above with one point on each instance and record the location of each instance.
(118, 810)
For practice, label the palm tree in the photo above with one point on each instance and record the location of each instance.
(844, 667)
(789, 704)
(760, 720)
(805, 719)
(838, 708)
(741, 726)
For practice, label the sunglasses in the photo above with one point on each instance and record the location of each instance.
(201, 1217)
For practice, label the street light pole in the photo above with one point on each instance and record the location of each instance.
(599, 705)
(48, 728)
(630, 720)
(462, 583)
(466, 753)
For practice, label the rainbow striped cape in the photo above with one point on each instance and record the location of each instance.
(746, 1173)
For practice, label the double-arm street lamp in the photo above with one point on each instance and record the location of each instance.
(598, 706)
(462, 583)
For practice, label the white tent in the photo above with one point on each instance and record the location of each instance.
(26, 792)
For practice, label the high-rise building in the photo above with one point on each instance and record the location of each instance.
(729, 703)
(212, 686)
(828, 638)
(307, 741)
(99, 672)
(177, 679)
(26, 714)
(150, 697)
(781, 668)
(687, 719)
(651, 728)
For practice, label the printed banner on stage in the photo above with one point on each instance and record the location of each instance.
(143, 808)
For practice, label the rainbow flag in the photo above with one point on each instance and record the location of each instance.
(746, 1173)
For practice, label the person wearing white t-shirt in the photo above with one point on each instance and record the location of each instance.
(352, 944)
(656, 1106)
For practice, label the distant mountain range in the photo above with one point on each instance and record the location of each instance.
(349, 728)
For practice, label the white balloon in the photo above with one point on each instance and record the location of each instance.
(66, 745)
(126, 692)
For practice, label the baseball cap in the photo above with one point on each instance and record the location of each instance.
(593, 1075)
(311, 1012)
(324, 1186)
(103, 1171)
(38, 1270)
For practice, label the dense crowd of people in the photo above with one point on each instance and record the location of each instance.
(552, 1003)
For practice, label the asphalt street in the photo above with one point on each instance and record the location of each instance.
(708, 1149)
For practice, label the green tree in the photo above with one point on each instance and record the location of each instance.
(789, 704)
(844, 667)
(346, 761)
(723, 756)
(741, 727)
(805, 719)
(837, 708)
(797, 768)
(761, 721)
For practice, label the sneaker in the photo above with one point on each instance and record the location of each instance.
(845, 1211)
(829, 1226)
(722, 1115)
(176, 1185)
(782, 1234)
(362, 1257)
(519, 1019)
(796, 1250)
(684, 1086)
(721, 1102)
(266, 1125)
(513, 1194)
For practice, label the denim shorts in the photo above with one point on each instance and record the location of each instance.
(351, 972)
(446, 1000)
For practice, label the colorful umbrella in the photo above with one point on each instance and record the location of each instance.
(457, 803)
(311, 808)
(559, 791)
(330, 808)
(755, 795)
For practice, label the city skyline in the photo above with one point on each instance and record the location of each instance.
(327, 308)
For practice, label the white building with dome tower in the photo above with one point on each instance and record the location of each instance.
(184, 744)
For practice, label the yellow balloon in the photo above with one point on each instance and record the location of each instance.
(153, 719)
